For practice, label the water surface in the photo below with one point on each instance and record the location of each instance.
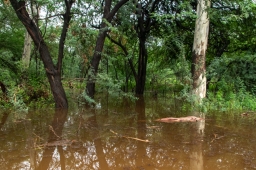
(125, 137)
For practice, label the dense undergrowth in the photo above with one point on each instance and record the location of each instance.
(230, 84)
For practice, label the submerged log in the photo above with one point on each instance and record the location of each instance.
(180, 119)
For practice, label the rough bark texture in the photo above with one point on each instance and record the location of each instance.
(199, 49)
(108, 15)
(53, 72)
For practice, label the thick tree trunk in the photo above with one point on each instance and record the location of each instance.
(53, 72)
(199, 50)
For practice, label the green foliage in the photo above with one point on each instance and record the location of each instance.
(84, 97)
(233, 73)
(232, 83)
(230, 55)
(106, 84)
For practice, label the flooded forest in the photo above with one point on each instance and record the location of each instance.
(127, 85)
(126, 136)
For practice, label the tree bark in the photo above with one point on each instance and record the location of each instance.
(108, 15)
(142, 68)
(90, 86)
(144, 25)
(28, 40)
(199, 50)
(26, 51)
(53, 72)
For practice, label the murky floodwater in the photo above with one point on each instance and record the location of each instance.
(126, 137)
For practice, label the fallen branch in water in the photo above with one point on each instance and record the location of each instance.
(51, 129)
(216, 137)
(179, 119)
(127, 137)
(57, 143)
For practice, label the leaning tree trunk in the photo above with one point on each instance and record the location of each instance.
(53, 72)
(108, 16)
(90, 86)
(199, 50)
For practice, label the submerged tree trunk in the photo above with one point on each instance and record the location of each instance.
(53, 72)
(108, 16)
(199, 50)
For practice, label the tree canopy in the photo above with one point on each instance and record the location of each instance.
(127, 47)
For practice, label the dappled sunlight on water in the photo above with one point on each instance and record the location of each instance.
(126, 137)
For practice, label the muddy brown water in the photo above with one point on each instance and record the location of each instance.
(126, 137)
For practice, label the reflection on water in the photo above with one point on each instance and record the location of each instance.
(126, 137)
(196, 153)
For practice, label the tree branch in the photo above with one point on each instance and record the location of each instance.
(112, 13)
(67, 18)
(126, 54)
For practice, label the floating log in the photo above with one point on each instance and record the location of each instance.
(180, 119)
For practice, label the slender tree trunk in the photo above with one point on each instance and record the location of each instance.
(144, 24)
(90, 86)
(28, 40)
(26, 51)
(53, 72)
(108, 16)
(142, 68)
(199, 50)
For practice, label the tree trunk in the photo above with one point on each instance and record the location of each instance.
(144, 24)
(199, 50)
(26, 51)
(28, 40)
(90, 86)
(53, 72)
(108, 15)
(142, 68)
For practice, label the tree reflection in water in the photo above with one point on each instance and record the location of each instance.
(141, 131)
(83, 138)
(196, 153)
(55, 134)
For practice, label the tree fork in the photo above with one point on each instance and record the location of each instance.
(53, 73)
